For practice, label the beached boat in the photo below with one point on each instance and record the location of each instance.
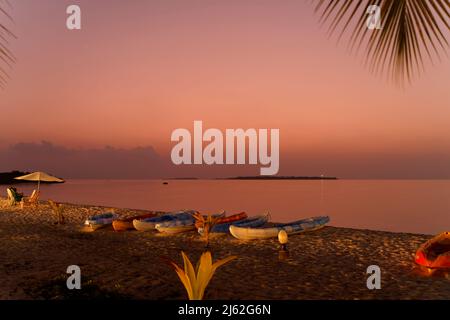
(100, 220)
(175, 229)
(435, 253)
(150, 223)
(225, 219)
(180, 225)
(232, 218)
(251, 222)
(127, 223)
(248, 233)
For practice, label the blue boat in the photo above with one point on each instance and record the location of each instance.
(251, 222)
(150, 223)
(180, 225)
(100, 220)
(310, 224)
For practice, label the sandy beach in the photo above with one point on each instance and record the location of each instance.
(329, 263)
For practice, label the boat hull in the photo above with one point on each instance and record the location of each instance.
(184, 224)
(150, 224)
(225, 220)
(435, 253)
(100, 221)
(246, 233)
(142, 225)
(224, 228)
(95, 227)
(127, 224)
(175, 230)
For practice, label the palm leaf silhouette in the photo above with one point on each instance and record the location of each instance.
(6, 57)
(412, 32)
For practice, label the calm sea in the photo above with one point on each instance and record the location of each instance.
(419, 206)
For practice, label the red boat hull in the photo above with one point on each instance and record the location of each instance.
(435, 253)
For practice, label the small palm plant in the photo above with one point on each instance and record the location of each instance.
(57, 209)
(206, 224)
(196, 280)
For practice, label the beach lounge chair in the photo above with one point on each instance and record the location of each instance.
(32, 200)
(13, 196)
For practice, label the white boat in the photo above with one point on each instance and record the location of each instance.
(295, 227)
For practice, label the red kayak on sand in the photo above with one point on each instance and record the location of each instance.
(435, 253)
(232, 218)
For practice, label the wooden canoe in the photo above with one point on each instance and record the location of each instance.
(127, 223)
(295, 227)
(435, 253)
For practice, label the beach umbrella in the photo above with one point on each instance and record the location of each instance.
(39, 176)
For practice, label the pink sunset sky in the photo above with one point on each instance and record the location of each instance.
(140, 69)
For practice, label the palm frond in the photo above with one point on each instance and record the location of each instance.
(7, 58)
(412, 32)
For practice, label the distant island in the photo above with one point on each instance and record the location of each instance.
(260, 178)
(280, 178)
(8, 178)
